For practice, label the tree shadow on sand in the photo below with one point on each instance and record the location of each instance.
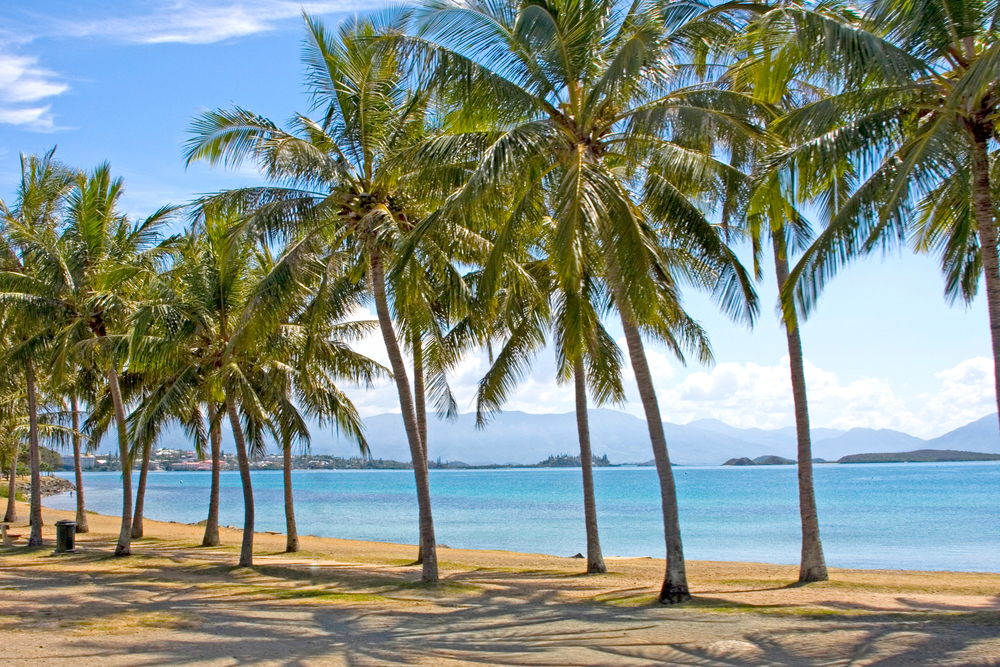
(177, 607)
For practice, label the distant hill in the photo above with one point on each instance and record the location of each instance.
(523, 438)
(920, 456)
(982, 435)
(866, 440)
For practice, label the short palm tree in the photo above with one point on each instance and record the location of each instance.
(915, 110)
(87, 278)
(227, 326)
(576, 101)
(586, 354)
(27, 230)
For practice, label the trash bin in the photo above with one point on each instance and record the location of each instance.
(65, 536)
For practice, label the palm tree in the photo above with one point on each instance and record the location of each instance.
(12, 411)
(586, 354)
(343, 190)
(914, 110)
(227, 326)
(767, 206)
(576, 101)
(81, 385)
(84, 279)
(27, 226)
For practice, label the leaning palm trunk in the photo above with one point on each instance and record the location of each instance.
(35, 512)
(10, 516)
(982, 209)
(420, 405)
(81, 508)
(812, 566)
(595, 560)
(430, 569)
(292, 534)
(211, 538)
(124, 546)
(246, 548)
(675, 586)
(140, 492)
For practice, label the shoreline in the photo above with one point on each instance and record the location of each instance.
(349, 603)
(178, 529)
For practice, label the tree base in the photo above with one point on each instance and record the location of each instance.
(673, 594)
(597, 568)
(812, 575)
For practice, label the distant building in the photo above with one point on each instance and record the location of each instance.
(194, 465)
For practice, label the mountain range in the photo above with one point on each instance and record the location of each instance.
(519, 437)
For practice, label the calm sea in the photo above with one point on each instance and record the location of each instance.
(926, 516)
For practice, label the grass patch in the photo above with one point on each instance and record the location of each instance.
(131, 620)
(320, 595)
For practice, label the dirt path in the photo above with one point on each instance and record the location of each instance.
(353, 603)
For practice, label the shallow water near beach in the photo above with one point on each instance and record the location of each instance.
(917, 516)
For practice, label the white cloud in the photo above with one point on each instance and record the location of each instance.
(188, 22)
(752, 395)
(22, 84)
(744, 395)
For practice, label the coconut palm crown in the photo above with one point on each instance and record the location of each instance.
(584, 117)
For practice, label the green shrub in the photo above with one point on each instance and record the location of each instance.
(20, 497)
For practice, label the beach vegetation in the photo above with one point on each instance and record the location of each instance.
(497, 175)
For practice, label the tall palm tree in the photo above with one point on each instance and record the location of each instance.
(768, 209)
(26, 228)
(344, 191)
(576, 100)
(914, 109)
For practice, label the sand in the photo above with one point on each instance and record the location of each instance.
(340, 602)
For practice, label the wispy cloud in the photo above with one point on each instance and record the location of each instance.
(23, 84)
(188, 22)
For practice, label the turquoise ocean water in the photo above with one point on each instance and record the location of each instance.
(927, 516)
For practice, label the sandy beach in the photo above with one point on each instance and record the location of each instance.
(340, 602)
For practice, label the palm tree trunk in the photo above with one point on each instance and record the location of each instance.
(10, 516)
(420, 405)
(81, 508)
(124, 546)
(140, 492)
(982, 208)
(211, 538)
(35, 511)
(430, 569)
(292, 534)
(812, 566)
(246, 549)
(595, 560)
(675, 586)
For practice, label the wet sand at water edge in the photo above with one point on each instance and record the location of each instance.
(340, 602)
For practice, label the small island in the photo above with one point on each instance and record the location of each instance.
(920, 456)
(760, 461)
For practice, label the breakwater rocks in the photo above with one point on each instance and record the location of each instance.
(51, 486)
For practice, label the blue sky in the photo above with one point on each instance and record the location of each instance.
(121, 81)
